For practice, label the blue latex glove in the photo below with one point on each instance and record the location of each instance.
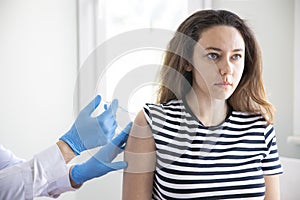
(100, 164)
(89, 132)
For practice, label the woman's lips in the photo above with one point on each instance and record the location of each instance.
(224, 84)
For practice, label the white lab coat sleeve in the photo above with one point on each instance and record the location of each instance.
(45, 175)
(7, 158)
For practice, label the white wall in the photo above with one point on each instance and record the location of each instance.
(289, 181)
(38, 68)
(297, 70)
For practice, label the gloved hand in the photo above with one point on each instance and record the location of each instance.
(100, 164)
(89, 132)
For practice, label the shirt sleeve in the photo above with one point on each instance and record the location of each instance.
(7, 158)
(271, 164)
(147, 113)
(44, 175)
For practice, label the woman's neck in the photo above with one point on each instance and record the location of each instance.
(211, 112)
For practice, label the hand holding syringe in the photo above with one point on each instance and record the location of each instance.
(124, 116)
(119, 107)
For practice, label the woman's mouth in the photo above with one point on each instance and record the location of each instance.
(224, 84)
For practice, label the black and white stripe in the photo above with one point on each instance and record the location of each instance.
(198, 162)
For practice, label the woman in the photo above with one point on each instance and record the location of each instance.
(211, 135)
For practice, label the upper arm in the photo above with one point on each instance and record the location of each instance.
(140, 156)
(272, 187)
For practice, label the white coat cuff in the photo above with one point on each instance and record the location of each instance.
(56, 171)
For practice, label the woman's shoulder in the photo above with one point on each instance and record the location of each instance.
(243, 114)
(248, 117)
(169, 104)
(140, 119)
(162, 109)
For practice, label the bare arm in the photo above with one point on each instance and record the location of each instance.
(272, 187)
(140, 156)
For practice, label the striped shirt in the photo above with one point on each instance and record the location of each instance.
(194, 161)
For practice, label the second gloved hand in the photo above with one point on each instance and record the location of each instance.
(100, 164)
(89, 132)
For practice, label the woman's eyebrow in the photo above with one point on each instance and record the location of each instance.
(217, 49)
(213, 48)
(235, 50)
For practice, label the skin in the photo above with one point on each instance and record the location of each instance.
(68, 154)
(138, 176)
(272, 187)
(66, 151)
(218, 64)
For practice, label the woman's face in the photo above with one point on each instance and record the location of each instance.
(218, 61)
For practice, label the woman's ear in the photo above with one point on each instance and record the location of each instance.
(188, 68)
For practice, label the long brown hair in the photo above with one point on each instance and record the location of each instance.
(249, 96)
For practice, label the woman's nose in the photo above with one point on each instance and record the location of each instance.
(226, 67)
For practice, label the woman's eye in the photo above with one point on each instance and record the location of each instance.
(236, 57)
(213, 56)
